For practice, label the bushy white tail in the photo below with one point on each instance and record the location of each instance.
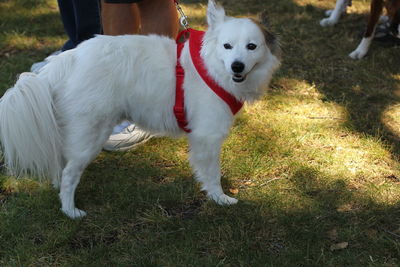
(29, 134)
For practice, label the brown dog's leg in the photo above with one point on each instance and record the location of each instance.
(362, 49)
(376, 11)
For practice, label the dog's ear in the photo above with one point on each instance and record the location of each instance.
(263, 17)
(270, 39)
(215, 14)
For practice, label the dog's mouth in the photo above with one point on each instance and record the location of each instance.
(238, 78)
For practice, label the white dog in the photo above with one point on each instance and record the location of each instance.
(55, 123)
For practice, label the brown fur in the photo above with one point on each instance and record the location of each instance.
(270, 39)
(392, 6)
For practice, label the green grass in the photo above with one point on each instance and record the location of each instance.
(314, 163)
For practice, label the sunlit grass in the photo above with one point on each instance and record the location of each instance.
(313, 132)
(20, 41)
(357, 7)
(391, 118)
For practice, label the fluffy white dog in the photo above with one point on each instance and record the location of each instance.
(54, 123)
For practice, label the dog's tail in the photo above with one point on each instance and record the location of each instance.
(29, 133)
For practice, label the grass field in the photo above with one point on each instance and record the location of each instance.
(315, 164)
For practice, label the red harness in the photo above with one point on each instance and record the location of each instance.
(195, 41)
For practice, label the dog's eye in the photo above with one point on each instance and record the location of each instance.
(227, 46)
(251, 46)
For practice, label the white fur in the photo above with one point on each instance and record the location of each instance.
(334, 15)
(26, 113)
(362, 48)
(65, 113)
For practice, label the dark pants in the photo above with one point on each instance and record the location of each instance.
(81, 19)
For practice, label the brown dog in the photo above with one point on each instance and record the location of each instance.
(393, 12)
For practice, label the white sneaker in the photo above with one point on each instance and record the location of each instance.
(36, 67)
(126, 138)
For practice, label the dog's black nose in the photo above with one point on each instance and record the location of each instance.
(237, 67)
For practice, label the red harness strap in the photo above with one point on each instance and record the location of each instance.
(179, 108)
(195, 42)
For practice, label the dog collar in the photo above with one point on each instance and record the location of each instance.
(195, 38)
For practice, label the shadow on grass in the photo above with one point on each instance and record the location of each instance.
(26, 37)
(147, 210)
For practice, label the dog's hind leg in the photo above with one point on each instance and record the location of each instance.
(82, 147)
(69, 181)
(204, 158)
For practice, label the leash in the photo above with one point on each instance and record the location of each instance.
(183, 19)
(179, 107)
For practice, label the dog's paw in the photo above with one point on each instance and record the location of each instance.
(362, 48)
(327, 22)
(74, 213)
(223, 199)
(358, 54)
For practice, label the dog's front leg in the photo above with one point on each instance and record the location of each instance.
(205, 161)
(334, 15)
(363, 47)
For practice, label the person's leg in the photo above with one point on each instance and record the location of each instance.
(81, 21)
(120, 18)
(66, 8)
(87, 20)
(159, 17)
(145, 17)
